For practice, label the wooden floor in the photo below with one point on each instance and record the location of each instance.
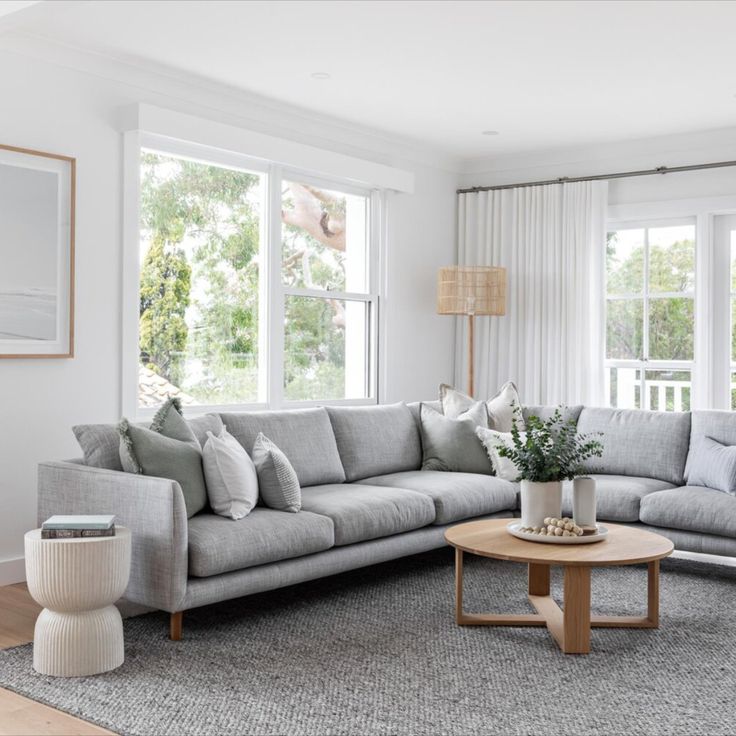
(20, 716)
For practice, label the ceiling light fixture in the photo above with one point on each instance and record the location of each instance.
(321, 75)
(490, 132)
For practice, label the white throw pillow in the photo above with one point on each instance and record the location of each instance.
(491, 439)
(504, 409)
(230, 474)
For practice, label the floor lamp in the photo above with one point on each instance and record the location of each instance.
(471, 291)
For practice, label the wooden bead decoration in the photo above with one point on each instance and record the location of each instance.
(564, 527)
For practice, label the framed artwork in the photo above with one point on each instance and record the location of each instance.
(37, 192)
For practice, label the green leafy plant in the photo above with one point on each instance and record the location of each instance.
(550, 450)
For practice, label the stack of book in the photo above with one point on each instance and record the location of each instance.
(69, 527)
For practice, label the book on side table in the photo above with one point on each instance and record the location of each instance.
(70, 527)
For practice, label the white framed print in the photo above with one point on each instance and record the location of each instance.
(37, 193)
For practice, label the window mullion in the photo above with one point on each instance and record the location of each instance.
(645, 328)
(376, 257)
(275, 320)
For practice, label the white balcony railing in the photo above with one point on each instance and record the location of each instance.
(659, 394)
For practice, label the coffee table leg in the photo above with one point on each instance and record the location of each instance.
(458, 586)
(653, 594)
(538, 579)
(576, 611)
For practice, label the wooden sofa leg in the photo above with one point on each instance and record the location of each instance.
(175, 625)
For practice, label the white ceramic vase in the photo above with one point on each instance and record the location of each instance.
(539, 500)
(583, 501)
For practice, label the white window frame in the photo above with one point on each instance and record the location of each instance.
(272, 290)
(724, 363)
(711, 364)
(645, 363)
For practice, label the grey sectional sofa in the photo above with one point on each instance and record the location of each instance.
(365, 499)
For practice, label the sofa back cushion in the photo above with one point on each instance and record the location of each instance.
(304, 435)
(718, 425)
(545, 412)
(415, 407)
(648, 444)
(376, 440)
(100, 443)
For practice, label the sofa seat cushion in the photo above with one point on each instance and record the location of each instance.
(360, 512)
(218, 545)
(455, 495)
(618, 497)
(693, 509)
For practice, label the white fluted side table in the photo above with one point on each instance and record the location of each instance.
(80, 631)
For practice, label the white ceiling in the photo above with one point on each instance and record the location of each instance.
(13, 6)
(544, 74)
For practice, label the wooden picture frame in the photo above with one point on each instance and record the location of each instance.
(37, 222)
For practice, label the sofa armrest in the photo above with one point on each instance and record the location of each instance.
(152, 508)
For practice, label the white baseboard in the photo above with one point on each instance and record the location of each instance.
(12, 571)
(703, 557)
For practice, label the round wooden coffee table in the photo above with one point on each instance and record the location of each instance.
(570, 626)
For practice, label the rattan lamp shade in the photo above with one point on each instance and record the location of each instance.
(477, 290)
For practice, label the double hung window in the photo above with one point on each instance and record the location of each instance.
(256, 284)
(650, 314)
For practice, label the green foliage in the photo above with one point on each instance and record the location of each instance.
(164, 297)
(551, 450)
(211, 217)
(314, 361)
(671, 267)
(671, 319)
(200, 286)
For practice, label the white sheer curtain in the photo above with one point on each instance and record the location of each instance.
(551, 239)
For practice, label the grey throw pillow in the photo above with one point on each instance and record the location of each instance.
(168, 450)
(100, 443)
(451, 444)
(277, 480)
(504, 409)
(713, 465)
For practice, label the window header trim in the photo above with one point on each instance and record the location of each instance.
(180, 126)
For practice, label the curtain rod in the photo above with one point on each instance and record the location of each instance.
(599, 177)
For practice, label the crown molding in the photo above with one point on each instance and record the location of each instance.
(644, 153)
(231, 105)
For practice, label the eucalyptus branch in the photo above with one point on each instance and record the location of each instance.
(550, 450)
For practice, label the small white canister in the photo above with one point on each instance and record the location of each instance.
(583, 501)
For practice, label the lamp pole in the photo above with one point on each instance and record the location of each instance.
(471, 354)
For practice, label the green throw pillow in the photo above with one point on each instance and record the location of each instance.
(451, 444)
(169, 449)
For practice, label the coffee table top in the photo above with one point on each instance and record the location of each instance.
(624, 545)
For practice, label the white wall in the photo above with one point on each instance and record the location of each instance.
(75, 112)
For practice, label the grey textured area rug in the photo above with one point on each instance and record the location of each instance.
(376, 651)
